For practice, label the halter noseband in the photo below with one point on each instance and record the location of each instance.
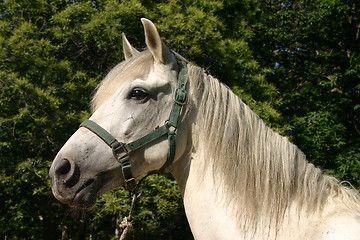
(121, 151)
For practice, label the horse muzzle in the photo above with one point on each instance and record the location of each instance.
(70, 186)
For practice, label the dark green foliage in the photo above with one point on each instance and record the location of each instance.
(313, 49)
(297, 64)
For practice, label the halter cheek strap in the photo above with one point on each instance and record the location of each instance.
(121, 151)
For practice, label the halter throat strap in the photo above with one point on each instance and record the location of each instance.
(121, 151)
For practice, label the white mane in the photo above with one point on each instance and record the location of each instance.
(261, 171)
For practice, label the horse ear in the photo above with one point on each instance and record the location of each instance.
(129, 51)
(159, 50)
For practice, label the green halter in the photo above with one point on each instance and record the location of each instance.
(122, 151)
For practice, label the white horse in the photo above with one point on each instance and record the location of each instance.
(238, 178)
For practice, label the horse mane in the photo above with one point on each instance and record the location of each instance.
(262, 171)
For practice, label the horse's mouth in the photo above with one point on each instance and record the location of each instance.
(85, 185)
(86, 195)
(82, 197)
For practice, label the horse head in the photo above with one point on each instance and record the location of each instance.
(135, 107)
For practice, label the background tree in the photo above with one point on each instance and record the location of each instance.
(295, 63)
(312, 48)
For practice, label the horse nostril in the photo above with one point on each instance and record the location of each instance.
(68, 172)
(63, 168)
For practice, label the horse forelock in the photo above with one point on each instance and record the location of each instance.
(262, 172)
(135, 67)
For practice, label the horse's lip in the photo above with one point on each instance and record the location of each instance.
(85, 185)
(86, 195)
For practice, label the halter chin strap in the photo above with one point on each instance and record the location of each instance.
(121, 151)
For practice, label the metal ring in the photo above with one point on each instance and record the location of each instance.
(175, 94)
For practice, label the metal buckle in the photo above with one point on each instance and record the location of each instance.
(182, 101)
(130, 184)
(120, 151)
(129, 180)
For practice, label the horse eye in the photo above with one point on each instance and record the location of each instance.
(138, 94)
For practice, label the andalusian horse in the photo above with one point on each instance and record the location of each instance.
(238, 178)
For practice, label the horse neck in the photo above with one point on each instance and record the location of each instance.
(240, 175)
(212, 216)
(204, 203)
